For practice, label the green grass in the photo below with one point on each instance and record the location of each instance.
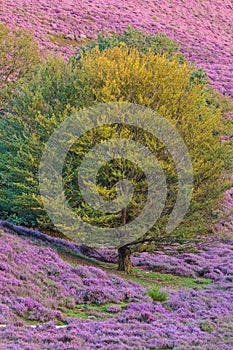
(142, 277)
(91, 311)
(83, 311)
(148, 278)
(145, 278)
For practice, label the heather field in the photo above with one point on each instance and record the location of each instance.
(86, 307)
(163, 292)
(203, 28)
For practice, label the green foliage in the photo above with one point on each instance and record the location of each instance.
(132, 71)
(207, 326)
(38, 106)
(18, 166)
(19, 54)
(120, 75)
(91, 311)
(199, 76)
(156, 294)
(50, 93)
(158, 44)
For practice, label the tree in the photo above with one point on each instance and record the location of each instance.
(121, 75)
(116, 74)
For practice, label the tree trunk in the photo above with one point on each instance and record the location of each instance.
(124, 261)
(124, 216)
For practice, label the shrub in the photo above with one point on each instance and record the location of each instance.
(158, 44)
(207, 326)
(156, 294)
(19, 54)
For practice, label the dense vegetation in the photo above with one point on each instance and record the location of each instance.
(97, 309)
(57, 294)
(18, 56)
(121, 72)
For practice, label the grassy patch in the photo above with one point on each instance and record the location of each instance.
(84, 311)
(91, 311)
(145, 278)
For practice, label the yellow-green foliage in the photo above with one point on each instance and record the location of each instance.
(120, 74)
(117, 74)
(19, 54)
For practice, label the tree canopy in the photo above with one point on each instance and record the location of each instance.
(119, 73)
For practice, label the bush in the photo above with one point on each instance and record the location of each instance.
(156, 294)
(207, 326)
(19, 54)
(158, 44)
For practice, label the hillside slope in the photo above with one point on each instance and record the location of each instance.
(43, 283)
(99, 310)
(203, 28)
